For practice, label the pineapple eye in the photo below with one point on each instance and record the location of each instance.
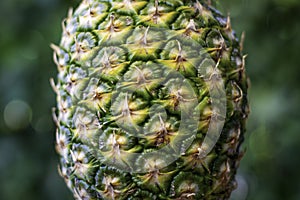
(85, 41)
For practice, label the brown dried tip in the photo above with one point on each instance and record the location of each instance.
(242, 41)
(53, 85)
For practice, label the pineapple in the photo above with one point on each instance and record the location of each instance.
(151, 100)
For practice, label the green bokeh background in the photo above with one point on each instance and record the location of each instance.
(270, 169)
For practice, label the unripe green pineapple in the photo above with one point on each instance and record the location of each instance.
(151, 101)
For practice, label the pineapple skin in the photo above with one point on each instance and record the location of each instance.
(138, 77)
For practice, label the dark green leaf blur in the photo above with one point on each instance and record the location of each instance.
(270, 169)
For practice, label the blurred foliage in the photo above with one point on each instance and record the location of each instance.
(270, 168)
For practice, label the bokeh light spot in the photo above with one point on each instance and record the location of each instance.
(17, 115)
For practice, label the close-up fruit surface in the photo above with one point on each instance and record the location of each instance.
(151, 100)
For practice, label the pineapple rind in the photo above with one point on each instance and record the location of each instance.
(115, 64)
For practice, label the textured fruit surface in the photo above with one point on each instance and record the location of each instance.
(151, 101)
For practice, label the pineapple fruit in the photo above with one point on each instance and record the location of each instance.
(151, 100)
